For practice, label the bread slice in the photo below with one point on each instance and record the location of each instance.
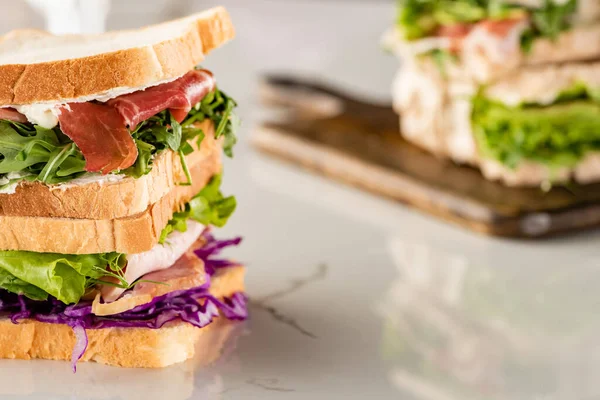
(38, 67)
(125, 347)
(133, 234)
(112, 200)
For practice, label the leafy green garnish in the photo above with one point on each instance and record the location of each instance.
(45, 154)
(559, 135)
(34, 153)
(156, 134)
(218, 107)
(209, 207)
(65, 277)
(552, 18)
(421, 18)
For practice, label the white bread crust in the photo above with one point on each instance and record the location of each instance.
(182, 44)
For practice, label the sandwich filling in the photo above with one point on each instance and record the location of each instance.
(486, 39)
(193, 304)
(456, 18)
(121, 136)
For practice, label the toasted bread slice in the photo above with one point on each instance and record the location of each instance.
(116, 199)
(37, 67)
(125, 347)
(133, 234)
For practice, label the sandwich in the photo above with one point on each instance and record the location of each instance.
(506, 86)
(110, 171)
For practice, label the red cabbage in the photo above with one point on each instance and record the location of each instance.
(81, 343)
(184, 305)
(213, 247)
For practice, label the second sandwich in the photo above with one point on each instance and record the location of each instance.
(508, 86)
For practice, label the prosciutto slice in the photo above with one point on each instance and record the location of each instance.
(178, 97)
(160, 257)
(187, 272)
(100, 129)
(99, 132)
(11, 114)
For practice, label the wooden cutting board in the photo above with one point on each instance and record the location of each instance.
(358, 143)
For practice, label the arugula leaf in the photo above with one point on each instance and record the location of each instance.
(49, 156)
(38, 151)
(63, 276)
(174, 139)
(218, 107)
(163, 132)
(143, 163)
(209, 207)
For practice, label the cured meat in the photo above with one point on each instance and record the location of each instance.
(493, 48)
(99, 133)
(100, 130)
(160, 257)
(178, 97)
(454, 31)
(186, 273)
(497, 31)
(11, 114)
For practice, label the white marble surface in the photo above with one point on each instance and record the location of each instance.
(355, 297)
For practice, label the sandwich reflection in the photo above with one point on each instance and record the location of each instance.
(199, 377)
(459, 330)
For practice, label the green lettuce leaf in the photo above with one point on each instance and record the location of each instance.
(15, 285)
(209, 207)
(559, 135)
(64, 276)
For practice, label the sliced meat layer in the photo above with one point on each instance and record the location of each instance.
(178, 97)
(186, 273)
(99, 133)
(11, 114)
(162, 256)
